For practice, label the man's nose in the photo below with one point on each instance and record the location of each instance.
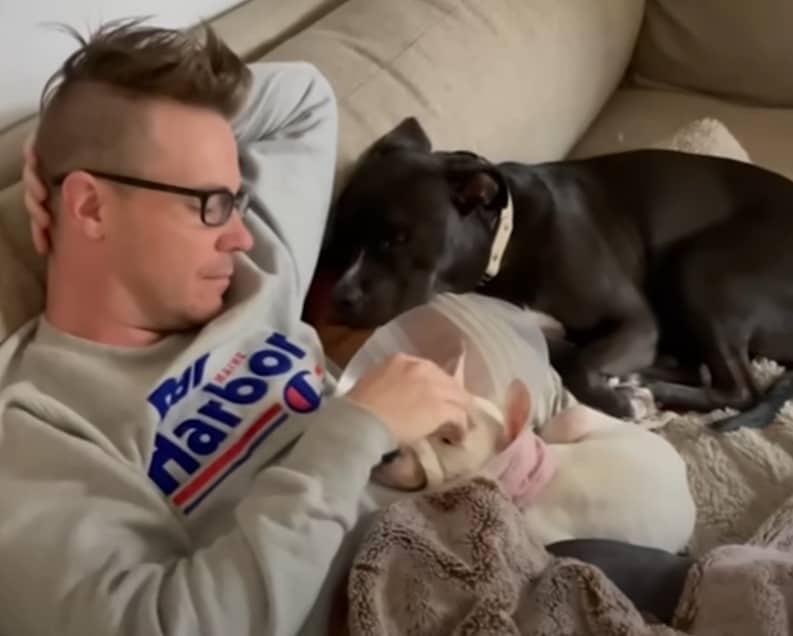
(236, 236)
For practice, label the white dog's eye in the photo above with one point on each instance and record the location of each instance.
(447, 441)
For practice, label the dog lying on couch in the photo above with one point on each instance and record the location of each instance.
(636, 254)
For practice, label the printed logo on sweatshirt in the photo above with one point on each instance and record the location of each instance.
(215, 426)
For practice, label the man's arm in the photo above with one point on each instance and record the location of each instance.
(88, 547)
(287, 134)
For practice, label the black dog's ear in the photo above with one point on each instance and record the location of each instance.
(408, 135)
(475, 182)
(479, 188)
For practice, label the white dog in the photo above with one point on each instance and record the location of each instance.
(587, 475)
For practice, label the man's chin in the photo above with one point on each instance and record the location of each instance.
(197, 317)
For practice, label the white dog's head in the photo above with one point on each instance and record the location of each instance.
(451, 453)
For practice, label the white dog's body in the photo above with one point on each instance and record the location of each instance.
(611, 480)
(616, 481)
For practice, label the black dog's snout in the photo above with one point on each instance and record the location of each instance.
(350, 297)
(347, 295)
(389, 457)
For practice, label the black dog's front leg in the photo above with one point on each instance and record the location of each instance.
(588, 387)
(630, 345)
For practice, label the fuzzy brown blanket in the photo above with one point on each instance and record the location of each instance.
(461, 562)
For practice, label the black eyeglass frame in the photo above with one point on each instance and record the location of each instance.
(232, 201)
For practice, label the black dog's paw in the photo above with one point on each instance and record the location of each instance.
(612, 401)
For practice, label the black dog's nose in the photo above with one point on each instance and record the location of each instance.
(347, 296)
(389, 457)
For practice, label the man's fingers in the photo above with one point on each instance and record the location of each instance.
(33, 184)
(40, 241)
(38, 214)
(27, 149)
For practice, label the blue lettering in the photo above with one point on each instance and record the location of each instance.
(165, 451)
(172, 390)
(239, 391)
(214, 409)
(202, 438)
(198, 370)
(269, 362)
(281, 342)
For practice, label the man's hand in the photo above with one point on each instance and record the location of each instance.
(35, 196)
(412, 396)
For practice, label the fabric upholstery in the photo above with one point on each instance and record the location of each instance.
(519, 79)
(637, 117)
(738, 50)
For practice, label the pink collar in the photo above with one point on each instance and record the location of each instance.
(524, 468)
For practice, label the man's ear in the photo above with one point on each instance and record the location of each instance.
(81, 203)
(517, 408)
(407, 135)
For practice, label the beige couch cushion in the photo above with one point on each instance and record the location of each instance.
(734, 48)
(638, 117)
(258, 25)
(518, 79)
(21, 270)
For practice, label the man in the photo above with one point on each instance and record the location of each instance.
(171, 460)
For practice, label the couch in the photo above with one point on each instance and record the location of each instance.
(529, 80)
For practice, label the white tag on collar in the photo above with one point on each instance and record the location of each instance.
(500, 242)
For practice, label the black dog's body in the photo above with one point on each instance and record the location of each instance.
(635, 253)
(625, 247)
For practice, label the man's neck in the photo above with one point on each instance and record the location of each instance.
(83, 306)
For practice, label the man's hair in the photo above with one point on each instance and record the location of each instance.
(90, 112)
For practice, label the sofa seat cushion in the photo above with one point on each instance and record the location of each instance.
(637, 117)
(739, 50)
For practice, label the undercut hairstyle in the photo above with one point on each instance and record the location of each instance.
(92, 111)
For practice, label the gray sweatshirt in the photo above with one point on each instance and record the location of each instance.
(205, 484)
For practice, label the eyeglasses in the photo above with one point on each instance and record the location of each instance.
(217, 204)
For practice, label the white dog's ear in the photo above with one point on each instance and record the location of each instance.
(517, 408)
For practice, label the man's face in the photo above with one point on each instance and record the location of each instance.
(175, 268)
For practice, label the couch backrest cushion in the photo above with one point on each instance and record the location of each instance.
(741, 50)
(517, 79)
(511, 79)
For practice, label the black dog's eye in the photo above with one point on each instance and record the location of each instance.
(399, 237)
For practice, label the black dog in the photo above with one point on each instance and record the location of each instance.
(637, 254)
